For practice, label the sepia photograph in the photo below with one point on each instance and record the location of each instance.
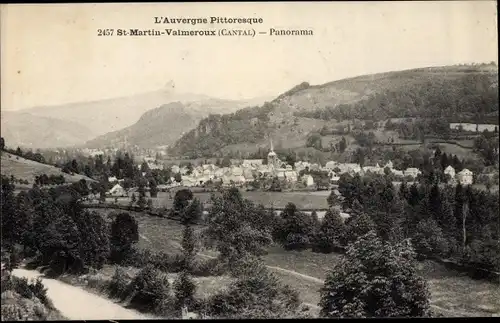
(249, 160)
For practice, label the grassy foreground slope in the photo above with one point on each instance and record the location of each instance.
(25, 169)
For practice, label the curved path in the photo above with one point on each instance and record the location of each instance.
(75, 303)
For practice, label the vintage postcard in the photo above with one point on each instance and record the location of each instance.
(207, 160)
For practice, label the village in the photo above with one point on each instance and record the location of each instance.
(243, 173)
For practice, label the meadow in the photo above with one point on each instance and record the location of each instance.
(303, 200)
(26, 169)
(452, 293)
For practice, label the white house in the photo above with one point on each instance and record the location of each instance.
(331, 165)
(465, 177)
(373, 169)
(450, 171)
(308, 180)
(252, 162)
(117, 190)
(188, 181)
(247, 173)
(291, 176)
(349, 168)
(236, 171)
(397, 172)
(412, 172)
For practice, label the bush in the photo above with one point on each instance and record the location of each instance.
(210, 267)
(185, 290)
(26, 289)
(119, 282)
(150, 290)
(296, 241)
(256, 294)
(124, 234)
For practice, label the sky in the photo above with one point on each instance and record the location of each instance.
(51, 53)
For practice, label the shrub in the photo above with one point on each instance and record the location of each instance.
(185, 290)
(205, 268)
(296, 241)
(256, 294)
(118, 285)
(150, 289)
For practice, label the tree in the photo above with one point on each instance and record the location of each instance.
(357, 226)
(178, 177)
(184, 289)
(296, 229)
(428, 239)
(181, 199)
(141, 202)
(188, 246)
(94, 239)
(333, 199)
(232, 229)
(342, 145)
(9, 220)
(150, 204)
(226, 162)
(2, 143)
(153, 188)
(124, 234)
(192, 213)
(331, 233)
(375, 279)
(133, 199)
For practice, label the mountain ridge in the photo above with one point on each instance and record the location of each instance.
(292, 116)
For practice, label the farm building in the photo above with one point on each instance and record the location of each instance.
(465, 177)
(308, 180)
(117, 190)
(450, 171)
(412, 172)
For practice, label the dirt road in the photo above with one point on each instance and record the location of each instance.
(75, 303)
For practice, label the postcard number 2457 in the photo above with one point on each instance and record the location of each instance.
(105, 32)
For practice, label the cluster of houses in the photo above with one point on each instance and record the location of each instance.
(464, 177)
(249, 170)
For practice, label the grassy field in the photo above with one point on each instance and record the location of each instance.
(26, 169)
(303, 200)
(453, 294)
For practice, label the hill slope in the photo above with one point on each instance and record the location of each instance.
(463, 92)
(84, 121)
(26, 169)
(26, 130)
(165, 124)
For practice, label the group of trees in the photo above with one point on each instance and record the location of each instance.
(487, 146)
(34, 156)
(240, 230)
(52, 224)
(443, 221)
(217, 131)
(49, 180)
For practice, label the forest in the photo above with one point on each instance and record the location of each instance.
(472, 97)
